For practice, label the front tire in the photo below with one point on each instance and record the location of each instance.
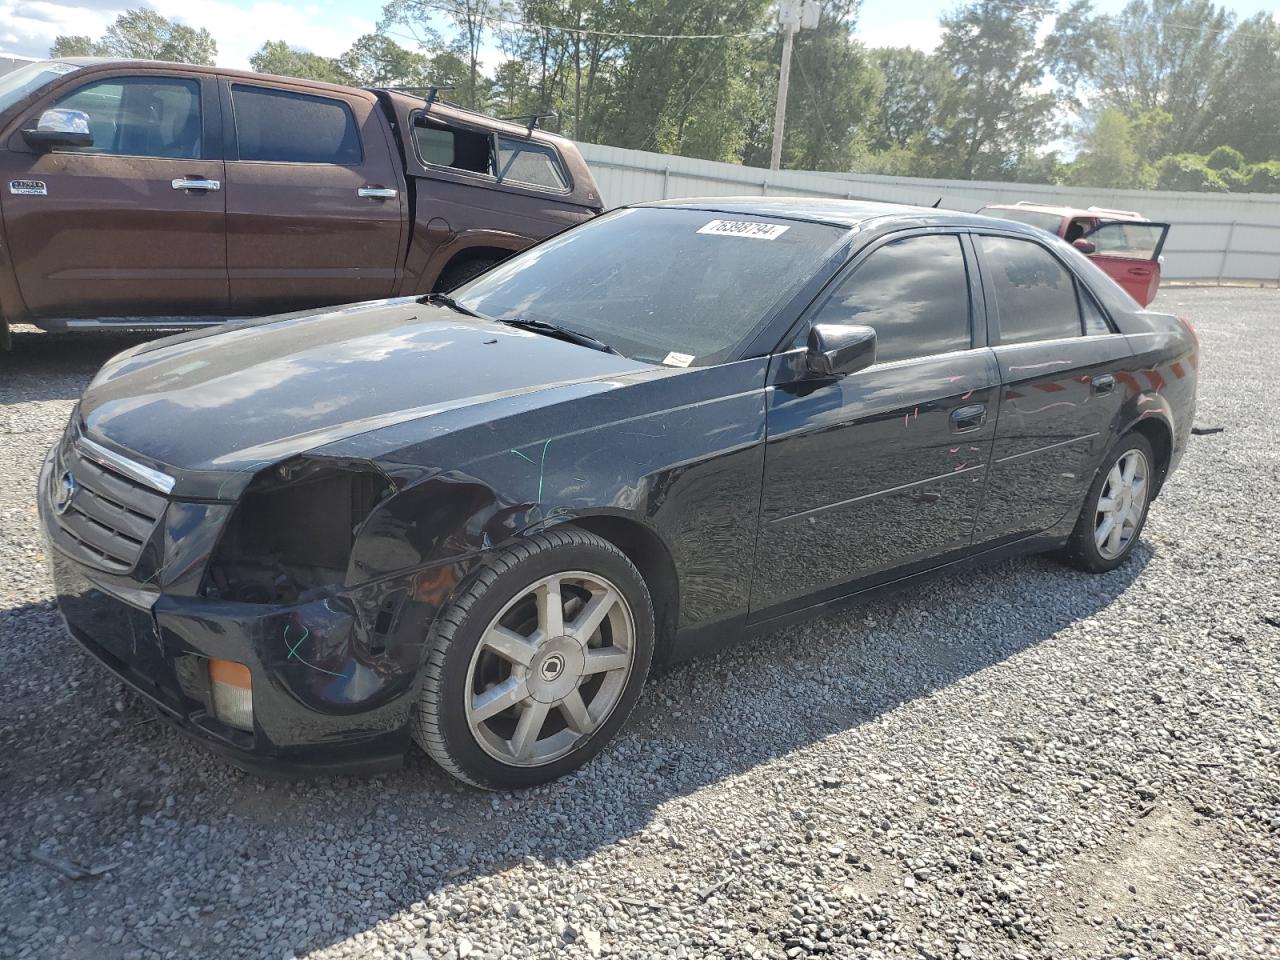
(537, 662)
(1115, 509)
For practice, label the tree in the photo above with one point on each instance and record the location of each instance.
(1244, 108)
(1107, 156)
(279, 58)
(470, 16)
(1188, 172)
(996, 111)
(143, 35)
(378, 61)
(914, 84)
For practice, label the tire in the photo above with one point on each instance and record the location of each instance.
(456, 274)
(1083, 549)
(497, 707)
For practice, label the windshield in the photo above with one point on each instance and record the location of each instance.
(1035, 218)
(659, 284)
(16, 85)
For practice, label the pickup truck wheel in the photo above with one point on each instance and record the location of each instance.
(456, 274)
(536, 663)
(1115, 509)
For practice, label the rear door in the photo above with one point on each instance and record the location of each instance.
(1062, 368)
(882, 471)
(133, 225)
(315, 212)
(1129, 253)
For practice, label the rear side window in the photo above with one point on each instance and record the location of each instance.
(281, 126)
(444, 146)
(1035, 294)
(914, 292)
(533, 163)
(1095, 321)
(140, 116)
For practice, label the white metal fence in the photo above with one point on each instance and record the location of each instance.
(1214, 236)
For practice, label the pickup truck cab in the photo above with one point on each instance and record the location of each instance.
(138, 193)
(1124, 244)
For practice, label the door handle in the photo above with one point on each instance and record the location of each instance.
(183, 183)
(1104, 384)
(376, 193)
(971, 417)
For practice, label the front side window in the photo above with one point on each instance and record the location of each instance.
(533, 163)
(280, 126)
(914, 292)
(1035, 295)
(140, 116)
(660, 284)
(1129, 241)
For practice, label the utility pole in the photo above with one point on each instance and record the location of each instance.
(793, 15)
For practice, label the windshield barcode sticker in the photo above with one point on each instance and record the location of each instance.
(743, 228)
(674, 359)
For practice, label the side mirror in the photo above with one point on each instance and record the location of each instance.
(60, 128)
(837, 349)
(1086, 247)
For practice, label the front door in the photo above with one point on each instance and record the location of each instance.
(1129, 253)
(133, 225)
(881, 472)
(1063, 370)
(314, 206)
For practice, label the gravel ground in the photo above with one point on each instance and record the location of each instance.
(1021, 762)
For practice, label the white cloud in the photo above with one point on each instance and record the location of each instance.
(921, 34)
(28, 27)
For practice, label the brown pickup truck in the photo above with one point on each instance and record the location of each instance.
(140, 193)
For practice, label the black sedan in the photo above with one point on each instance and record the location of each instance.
(475, 520)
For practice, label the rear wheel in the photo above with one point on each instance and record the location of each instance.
(536, 664)
(1115, 509)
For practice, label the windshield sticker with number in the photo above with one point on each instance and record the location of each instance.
(743, 228)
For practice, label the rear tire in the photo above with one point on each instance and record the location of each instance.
(456, 274)
(1115, 509)
(536, 663)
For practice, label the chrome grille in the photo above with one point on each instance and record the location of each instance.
(109, 517)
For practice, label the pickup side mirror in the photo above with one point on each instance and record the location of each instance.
(1086, 247)
(60, 128)
(838, 349)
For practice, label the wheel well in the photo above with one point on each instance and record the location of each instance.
(1160, 437)
(468, 255)
(646, 550)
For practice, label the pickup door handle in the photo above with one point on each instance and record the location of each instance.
(1104, 384)
(971, 417)
(376, 193)
(197, 184)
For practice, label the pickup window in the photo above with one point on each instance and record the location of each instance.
(280, 126)
(518, 161)
(140, 116)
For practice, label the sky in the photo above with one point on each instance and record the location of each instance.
(327, 27)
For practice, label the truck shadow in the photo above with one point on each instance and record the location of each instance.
(371, 851)
(58, 366)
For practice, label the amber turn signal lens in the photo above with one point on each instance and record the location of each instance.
(232, 688)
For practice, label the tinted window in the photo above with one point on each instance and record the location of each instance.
(452, 147)
(659, 283)
(914, 292)
(141, 116)
(1051, 222)
(1095, 321)
(531, 163)
(1035, 294)
(285, 127)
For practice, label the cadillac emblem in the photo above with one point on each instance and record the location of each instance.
(65, 493)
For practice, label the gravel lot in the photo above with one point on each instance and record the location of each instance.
(1021, 762)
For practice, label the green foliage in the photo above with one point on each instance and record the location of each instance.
(1263, 177)
(1107, 155)
(279, 58)
(375, 60)
(143, 35)
(1225, 158)
(1188, 171)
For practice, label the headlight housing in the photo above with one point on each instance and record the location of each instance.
(290, 536)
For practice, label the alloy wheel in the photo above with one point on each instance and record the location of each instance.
(1121, 504)
(550, 668)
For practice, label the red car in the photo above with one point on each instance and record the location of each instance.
(1126, 245)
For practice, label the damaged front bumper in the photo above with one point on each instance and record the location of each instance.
(334, 678)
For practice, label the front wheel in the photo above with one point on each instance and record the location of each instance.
(1115, 509)
(536, 664)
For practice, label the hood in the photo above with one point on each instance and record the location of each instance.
(250, 395)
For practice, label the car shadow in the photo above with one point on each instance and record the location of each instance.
(58, 366)
(697, 723)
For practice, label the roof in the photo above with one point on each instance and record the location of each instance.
(836, 212)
